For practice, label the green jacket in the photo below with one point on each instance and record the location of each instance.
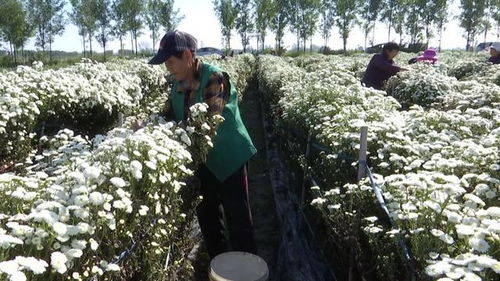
(232, 144)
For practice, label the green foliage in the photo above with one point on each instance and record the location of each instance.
(161, 14)
(304, 19)
(226, 13)
(263, 14)
(244, 21)
(346, 12)
(48, 19)
(471, 18)
(14, 27)
(281, 11)
(103, 17)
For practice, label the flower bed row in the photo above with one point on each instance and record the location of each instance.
(438, 167)
(118, 207)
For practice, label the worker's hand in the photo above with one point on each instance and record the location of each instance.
(138, 124)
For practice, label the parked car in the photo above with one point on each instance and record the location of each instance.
(482, 46)
(205, 51)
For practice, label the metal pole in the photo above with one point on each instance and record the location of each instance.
(308, 151)
(362, 153)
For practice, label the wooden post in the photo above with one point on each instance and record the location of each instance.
(120, 119)
(362, 153)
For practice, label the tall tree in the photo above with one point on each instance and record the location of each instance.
(133, 20)
(118, 11)
(496, 17)
(327, 20)
(152, 17)
(414, 19)
(471, 18)
(169, 16)
(77, 18)
(103, 22)
(369, 13)
(244, 21)
(48, 19)
(161, 13)
(491, 7)
(399, 16)
(13, 25)
(432, 13)
(227, 13)
(387, 15)
(441, 19)
(281, 9)
(346, 12)
(263, 15)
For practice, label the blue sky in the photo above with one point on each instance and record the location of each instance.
(200, 21)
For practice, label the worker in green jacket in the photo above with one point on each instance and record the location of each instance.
(224, 175)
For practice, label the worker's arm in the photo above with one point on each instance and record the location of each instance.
(217, 92)
(380, 63)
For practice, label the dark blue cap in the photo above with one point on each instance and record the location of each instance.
(172, 43)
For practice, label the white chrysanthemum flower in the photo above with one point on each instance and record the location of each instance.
(479, 244)
(437, 269)
(118, 182)
(143, 210)
(60, 228)
(464, 230)
(37, 266)
(93, 244)
(7, 241)
(96, 198)
(58, 262)
(9, 267)
(74, 253)
(113, 267)
(371, 219)
(136, 167)
(318, 201)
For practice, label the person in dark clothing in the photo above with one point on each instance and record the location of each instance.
(381, 67)
(495, 53)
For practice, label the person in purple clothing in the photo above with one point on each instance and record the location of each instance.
(381, 67)
(495, 53)
(429, 56)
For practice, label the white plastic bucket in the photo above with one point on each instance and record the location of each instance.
(238, 266)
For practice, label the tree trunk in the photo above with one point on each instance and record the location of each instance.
(154, 40)
(84, 47)
(135, 39)
(373, 34)
(121, 46)
(104, 48)
(90, 44)
(15, 54)
(366, 37)
(389, 35)
(50, 51)
(11, 51)
(132, 41)
(440, 37)
(468, 41)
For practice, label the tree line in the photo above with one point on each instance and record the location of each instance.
(99, 20)
(414, 21)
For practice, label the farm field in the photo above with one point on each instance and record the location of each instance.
(84, 196)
